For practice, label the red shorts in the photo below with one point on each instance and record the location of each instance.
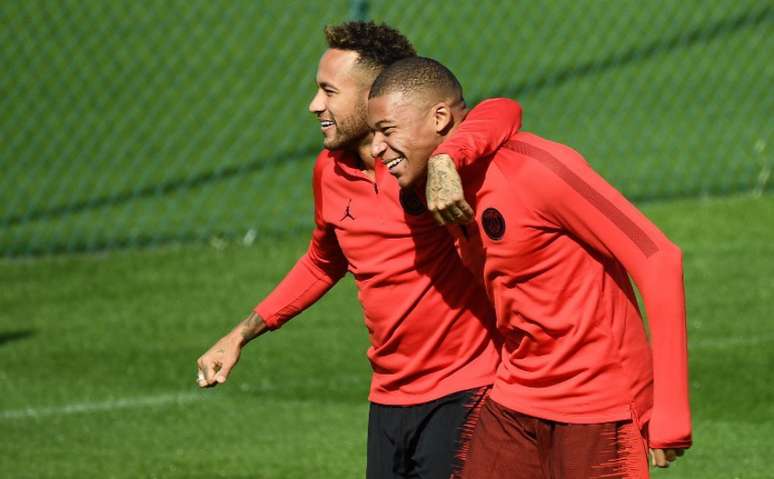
(508, 444)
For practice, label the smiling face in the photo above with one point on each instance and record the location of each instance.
(406, 132)
(340, 101)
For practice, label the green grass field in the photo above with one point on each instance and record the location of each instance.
(98, 352)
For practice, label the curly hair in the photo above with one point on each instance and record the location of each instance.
(376, 45)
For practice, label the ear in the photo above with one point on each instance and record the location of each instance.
(443, 119)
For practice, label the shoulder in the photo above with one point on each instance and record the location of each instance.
(324, 160)
(324, 163)
(541, 170)
(539, 158)
(543, 150)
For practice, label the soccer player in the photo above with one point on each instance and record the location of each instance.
(429, 322)
(579, 392)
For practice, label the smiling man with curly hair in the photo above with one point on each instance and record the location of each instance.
(429, 321)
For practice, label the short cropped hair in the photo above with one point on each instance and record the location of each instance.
(416, 74)
(376, 45)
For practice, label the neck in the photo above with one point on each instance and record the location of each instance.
(363, 151)
(459, 112)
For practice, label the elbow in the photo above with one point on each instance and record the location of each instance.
(671, 257)
(506, 106)
(675, 252)
(511, 106)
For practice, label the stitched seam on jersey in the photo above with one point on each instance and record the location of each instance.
(615, 215)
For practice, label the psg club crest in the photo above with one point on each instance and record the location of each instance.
(411, 203)
(493, 223)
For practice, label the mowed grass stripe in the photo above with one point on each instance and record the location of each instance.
(176, 399)
(109, 405)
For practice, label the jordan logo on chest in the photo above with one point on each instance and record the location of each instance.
(348, 211)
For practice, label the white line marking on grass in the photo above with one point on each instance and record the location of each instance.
(729, 342)
(110, 405)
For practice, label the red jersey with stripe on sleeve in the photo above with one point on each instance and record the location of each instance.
(558, 242)
(429, 320)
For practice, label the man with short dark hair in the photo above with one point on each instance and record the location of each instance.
(429, 321)
(579, 394)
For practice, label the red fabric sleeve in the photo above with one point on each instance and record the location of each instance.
(578, 199)
(314, 274)
(486, 127)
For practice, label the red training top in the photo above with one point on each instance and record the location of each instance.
(428, 319)
(558, 243)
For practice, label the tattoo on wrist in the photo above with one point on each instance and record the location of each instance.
(251, 327)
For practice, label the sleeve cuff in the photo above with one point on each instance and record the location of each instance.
(458, 155)
(271, 321)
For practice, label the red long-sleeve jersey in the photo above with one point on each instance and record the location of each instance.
(558, 242)
(429, 321)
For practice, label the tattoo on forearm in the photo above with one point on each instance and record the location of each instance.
(251, 327)
(443, 183)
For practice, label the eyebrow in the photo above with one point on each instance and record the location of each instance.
(380, 123)
(324, 84)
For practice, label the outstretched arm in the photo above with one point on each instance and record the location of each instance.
(215, 365)
(486, 127)
(313, 275)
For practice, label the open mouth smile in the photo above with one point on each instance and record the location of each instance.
(390, 164)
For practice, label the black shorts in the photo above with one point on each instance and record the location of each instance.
(425, 441)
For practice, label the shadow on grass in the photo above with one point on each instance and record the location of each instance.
(10, 336)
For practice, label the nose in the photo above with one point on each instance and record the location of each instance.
(317, 105)
(378, 146)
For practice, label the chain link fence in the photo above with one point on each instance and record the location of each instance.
(128, 123)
